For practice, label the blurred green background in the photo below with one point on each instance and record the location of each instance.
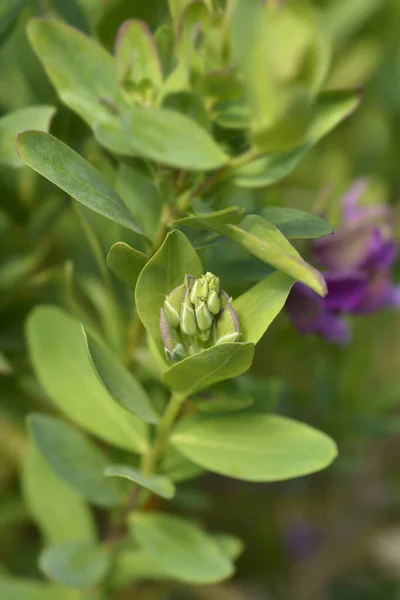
(334, 535)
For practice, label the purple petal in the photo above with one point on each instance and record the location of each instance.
(381, 251)
(304, 307)
(345, 249)
(345, 290)
(395, 297)
(334, 329)
(378, 293)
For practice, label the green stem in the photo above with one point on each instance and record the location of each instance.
(163, 431)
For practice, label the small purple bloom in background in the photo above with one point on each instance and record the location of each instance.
(358, 259)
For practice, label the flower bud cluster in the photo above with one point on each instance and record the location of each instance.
(197, 315)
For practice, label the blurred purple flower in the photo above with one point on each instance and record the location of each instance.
(358, 258)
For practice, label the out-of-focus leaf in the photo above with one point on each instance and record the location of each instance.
(72, 13)
(163, 272)
(62, 364)
(82, 72)
(126, 263)
(75, 564)
(32, 117)
(137, 56)
(258, 307)
(68, 170)
(208, 220)
(209, 366)
(156, 484)
(254, 447)
(9, 10)
(294, 223)
(180, 548)
(75, 459)
(13, 588)
(58, 509)
(230, 545)
(142, 197)
(223, 403)
(115, 12)
(177, 467)
(191, 105)
(170, 138)
(331, 108)
(122, 385)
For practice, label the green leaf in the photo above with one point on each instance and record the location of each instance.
(181, 549)
(258, 307)
(38, 117)
(189, 104)
(75, 564)
(208, 220)
(177, 467)
(137, 56)
(222, 403)
(122, 385)
(69, 171)
(126, 263)
(9, 10)
(63, 367)
(58, 509)
(170, 138)
(135, 565)
(82, 72)
(13, 588)
(156, 484)
(230, 545)
(209, 366)
(254, 447)
(142, 197)
(163, 272)
(266, 242)
(331, 108)
(75, 459)
(294, 223)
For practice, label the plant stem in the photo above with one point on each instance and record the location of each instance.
(163, 430)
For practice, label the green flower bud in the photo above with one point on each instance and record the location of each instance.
(188, 317)
(213, 302)
(178, 353)
(199, 290)
(204, 336)
(203, 315)
(171, 313)
(230, 337)
(226, 327)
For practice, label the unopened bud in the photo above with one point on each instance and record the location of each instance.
(199, 290)
(204, 336)
(213, 302)
(226, 328)
(203, 315)
(171, 313)
(188, 318)
(178, 353)
(230, 337)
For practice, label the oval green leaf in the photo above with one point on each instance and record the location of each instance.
(58, 510)
(258, 307)
(208, 220)
(294, 223)
(180, 548)
(122, 385)
(69, 171)
(170, 138)
(208, 367)
(63, 367)
(31, 117)
(254, 447)
(156, 484)
(266, 242)
(82, 72)
(75, 564)
(75, 459)
(126, 263)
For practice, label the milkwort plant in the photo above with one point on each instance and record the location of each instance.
(195, 106)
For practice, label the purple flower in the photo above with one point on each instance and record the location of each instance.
(358, 259)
